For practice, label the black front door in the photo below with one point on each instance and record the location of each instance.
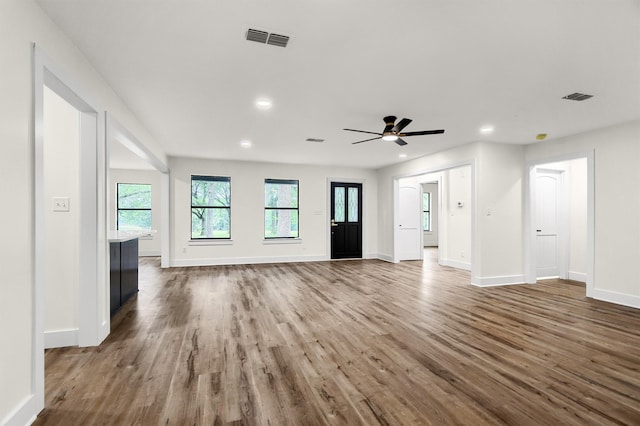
(346, 220)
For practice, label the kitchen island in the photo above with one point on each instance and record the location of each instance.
(123, 257)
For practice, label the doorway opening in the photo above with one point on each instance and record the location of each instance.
(446, 223)
(559, 232)
(90, 324)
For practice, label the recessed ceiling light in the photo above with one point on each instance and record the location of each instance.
(402, 156)
(245, 144)
(264, 103)
(486, 130)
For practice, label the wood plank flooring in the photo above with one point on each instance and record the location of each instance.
(350, 343)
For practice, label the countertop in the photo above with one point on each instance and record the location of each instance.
(122, 236)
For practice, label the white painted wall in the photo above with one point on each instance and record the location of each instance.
(247, 211)
(617, 205)
(500, 213)
(423, 165)
(430, 238)
(22, 22)
(148, 246)
(456, 220)
(62, 174)
(577, 170)
(497, 239)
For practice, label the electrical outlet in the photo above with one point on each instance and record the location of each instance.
(60, 204)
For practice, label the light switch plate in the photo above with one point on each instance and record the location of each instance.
(60, 204)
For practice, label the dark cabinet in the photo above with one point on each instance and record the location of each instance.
(124, 272)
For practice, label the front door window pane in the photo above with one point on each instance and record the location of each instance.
(339, 204)
(353, 205)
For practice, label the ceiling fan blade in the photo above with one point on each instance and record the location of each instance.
(389, 122)
(401, 125)
(366, 140)
(363, 131)
(424, 132)
(400, 142)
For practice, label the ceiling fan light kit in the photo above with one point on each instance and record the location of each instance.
(393, 132)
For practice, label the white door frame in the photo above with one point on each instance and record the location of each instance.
(530, 230)
(93, 312)
(396, 206)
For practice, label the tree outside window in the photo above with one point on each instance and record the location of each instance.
(210, 207)
(426, 211)
(134, 206)
(281, 208)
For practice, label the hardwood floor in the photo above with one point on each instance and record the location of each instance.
(350, 343)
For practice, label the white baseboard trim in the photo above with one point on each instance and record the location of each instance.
(385, 257)
(578, 276)
(244, 260)
(456, 264)
(24, 414)
(60, 338)
(149, 253)
(615, 297)
(498, 281)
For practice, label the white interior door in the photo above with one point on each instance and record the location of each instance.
(547, 221)
(410, 223)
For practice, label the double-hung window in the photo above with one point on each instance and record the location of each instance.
(134, 206)
(210, 207)
(426, 211)
(281, 209)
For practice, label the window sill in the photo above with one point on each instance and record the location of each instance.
(282, 241)
(220, 242)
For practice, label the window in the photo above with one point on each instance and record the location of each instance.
(281, 208)
(210, 207)
(134, 206)
(426, 211)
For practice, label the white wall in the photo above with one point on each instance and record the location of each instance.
(430, 163)
(617, 205)
(62, 173)
(430, 238)
(247, 212)
(22, 22)
(455, 223)
(497, 236)
(577, 170)
(500, 214)
(148, 246)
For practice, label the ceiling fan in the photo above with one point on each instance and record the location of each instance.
(393, 132)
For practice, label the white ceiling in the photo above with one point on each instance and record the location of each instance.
(185, 69)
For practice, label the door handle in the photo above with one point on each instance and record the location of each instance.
(333, 223)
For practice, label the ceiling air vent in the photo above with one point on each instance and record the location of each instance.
(278, 40)
(264, 37)
(314, 140)
(577, 97)
(257, 35)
